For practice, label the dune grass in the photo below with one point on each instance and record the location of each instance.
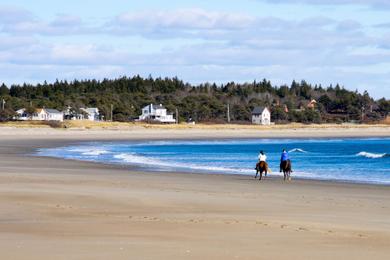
(85, 124)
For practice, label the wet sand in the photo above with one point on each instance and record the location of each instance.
(62, 209)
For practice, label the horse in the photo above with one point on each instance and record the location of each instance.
(261, 167)
(285, 166)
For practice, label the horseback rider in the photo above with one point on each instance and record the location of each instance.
(262, 157)
(283, 158)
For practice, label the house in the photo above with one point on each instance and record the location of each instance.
(71, 114)
(22, 115)
(41, 114)
(261, 116)
(91, 113)
(312, 104)
(54, 115)
(156, 113)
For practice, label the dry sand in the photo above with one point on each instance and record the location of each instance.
(58, 209)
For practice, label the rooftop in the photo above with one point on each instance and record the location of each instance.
(258, 110)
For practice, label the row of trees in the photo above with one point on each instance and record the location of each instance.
(204, 102)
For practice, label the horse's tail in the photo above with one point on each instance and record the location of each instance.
(267, 168)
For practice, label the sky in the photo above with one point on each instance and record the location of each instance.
(320, 41)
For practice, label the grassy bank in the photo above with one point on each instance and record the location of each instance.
(85, 124)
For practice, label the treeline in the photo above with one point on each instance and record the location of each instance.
(202, 103)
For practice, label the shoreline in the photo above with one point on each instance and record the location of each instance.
(148, 169)
(61, 138)
(31, 152)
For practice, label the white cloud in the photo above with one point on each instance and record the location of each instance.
(17, 21)
(197, 45)
(185, 19)
(10, 14)
(15, 42)
(65, 20)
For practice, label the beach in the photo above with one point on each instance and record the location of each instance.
(65, 209)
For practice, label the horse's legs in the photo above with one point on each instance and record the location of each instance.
(257, 171)
(284, 173)
(261, 175)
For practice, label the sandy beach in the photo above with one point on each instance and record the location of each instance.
(63, 209)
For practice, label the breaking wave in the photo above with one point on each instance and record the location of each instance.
(297, 150)
(373, 155)
(90, 151)
(135, 159)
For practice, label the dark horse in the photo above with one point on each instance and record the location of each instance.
(261, 167)
(285, 166)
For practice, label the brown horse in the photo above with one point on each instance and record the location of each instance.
(285, 166)
(261, 167)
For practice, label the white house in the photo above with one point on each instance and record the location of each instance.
(156, 113)
(261, 116)
(71, 114)
(54, 115)
(22, 115)
(41, 114)
(91, 113)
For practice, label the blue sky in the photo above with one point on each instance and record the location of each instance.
(321, 41)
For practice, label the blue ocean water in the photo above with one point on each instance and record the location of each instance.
(351, 160)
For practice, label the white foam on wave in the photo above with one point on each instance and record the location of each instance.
(90, 151)
(133, 158)
(372, 155)
(298, 150)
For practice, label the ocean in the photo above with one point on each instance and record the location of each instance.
(347, 160)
